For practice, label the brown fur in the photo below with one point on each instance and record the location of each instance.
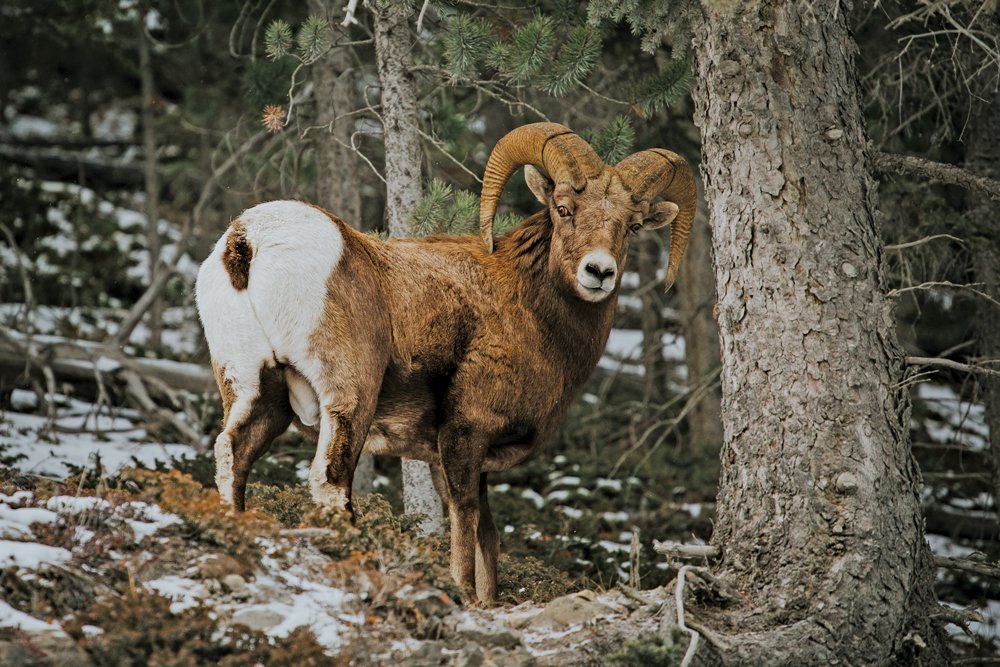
(237, 255)
(435, 350)
(269, 416)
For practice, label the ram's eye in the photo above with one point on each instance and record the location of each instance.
(635, 227)
(562, 211)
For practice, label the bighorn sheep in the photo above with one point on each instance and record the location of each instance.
(438, 348)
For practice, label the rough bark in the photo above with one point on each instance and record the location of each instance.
(151, 181)
(818, 513)
(983, 157)
(403, 155)
(696, 293)
(403, 167)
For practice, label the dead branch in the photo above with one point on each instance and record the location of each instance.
(685, 551)
(966, 565)
(953, 365)
(937, 171)
(136, 391)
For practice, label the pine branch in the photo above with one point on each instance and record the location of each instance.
(314, 37)
(278, 39)
(661, 90)
(575, 61)
(530, 48)
(613, 142)
(467, 43)
(893, 163)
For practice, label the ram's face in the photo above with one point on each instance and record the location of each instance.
(592, 229)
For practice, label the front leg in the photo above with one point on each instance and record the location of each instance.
(462, 449)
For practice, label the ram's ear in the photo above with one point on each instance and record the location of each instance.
(660, 214)
(539, 184)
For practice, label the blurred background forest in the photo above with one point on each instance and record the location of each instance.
(132, 131)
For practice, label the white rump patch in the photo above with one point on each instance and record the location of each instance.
(295, 250)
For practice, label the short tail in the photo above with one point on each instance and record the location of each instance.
(237, 255)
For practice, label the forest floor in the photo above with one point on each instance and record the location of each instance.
(100, 525)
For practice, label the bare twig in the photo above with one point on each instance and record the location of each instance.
(919, 242)
(953, 365)
(937, 171)
(438, 145)
(942, 283)
(420, 17)
(349, 19)
(679, 595)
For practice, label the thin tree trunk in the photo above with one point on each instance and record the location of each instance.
(403, 167)
(338, 170)
(696, 293)
(152, 183)
(338, 180)
(403, 155)
(818, 513)
(983, 159)
(654, 365)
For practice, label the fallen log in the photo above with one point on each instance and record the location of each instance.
(95, 369)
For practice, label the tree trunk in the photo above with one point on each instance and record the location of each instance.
(654, 379)
(338, 170)
(983, 159)
(152, 182)
(696, 293)
(338, 174)
(403, 166)
(818, 514)
(403, 156)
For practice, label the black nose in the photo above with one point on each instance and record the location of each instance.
(598, 272)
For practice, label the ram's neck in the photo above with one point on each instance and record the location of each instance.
(574, 329)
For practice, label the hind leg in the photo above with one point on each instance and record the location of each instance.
(343, 429)
(487, 549)
(256, 412)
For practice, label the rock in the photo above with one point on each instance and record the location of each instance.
(257, 618)
(577, 609)
(59, 649)
(12, 653)
(237, 586)
(488, 634)
(471, 656)
(519, 657)
(428, 654)
(432, 602)
(217, 566)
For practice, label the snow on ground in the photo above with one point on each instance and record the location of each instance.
(79, 437)
(623, 352)
(952, 419)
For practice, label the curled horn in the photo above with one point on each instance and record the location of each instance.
(556, 149)
(658, 172)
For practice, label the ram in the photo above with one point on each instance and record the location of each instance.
(443, 349)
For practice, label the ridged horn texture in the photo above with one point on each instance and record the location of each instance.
(557, 149)
(658, 172)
